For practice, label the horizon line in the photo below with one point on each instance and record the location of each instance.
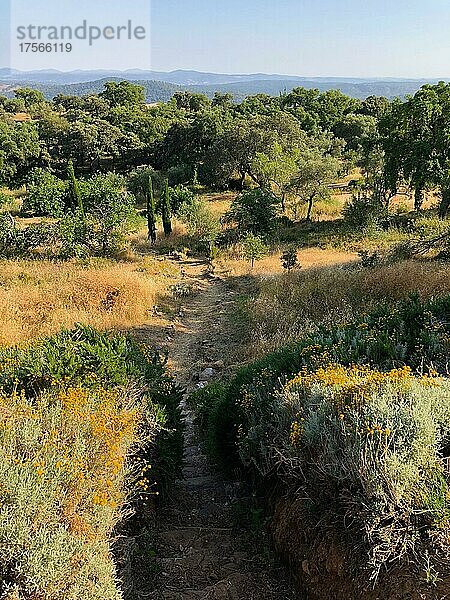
(255, 73)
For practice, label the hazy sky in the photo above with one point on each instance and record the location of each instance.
(365, 38)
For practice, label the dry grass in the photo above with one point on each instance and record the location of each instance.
(271, 265)
(39, 298)
(15, 200)
(139, 240)
(219, 203)
(290, 305)
(331, 209)
(21, 117)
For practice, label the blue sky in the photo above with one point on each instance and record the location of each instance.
(365, 38)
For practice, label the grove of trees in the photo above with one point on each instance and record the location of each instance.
(282, 153)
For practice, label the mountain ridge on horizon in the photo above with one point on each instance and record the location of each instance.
(183, 76)
(160, 86)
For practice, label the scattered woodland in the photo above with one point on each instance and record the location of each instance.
(318, 226)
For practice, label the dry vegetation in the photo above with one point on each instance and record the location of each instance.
(271, 265)
(38, 298)
(219, 203)
(291, 305)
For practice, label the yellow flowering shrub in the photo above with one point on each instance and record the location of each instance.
(63, 470)
(358, 441)
(356, 384)
(84, 415)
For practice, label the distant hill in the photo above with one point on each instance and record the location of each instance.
(156, 91)
(179, 77)
(359, 89)
(160, 86)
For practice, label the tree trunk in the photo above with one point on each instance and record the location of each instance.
(310, 207)
(418, 198)
(389, 197)
(283, 202)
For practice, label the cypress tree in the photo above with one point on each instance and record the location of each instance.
(75, 190)
(151, 215)
(167, 225)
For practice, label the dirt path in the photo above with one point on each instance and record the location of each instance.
(203, 552)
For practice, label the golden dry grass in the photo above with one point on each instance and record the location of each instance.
(271, 265)
(331, 209)
(21, 117)
(219, 203)
(290, 305)
(14, 201)
(40, 298)
(139, 239)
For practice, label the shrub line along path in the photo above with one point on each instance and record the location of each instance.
(203, 552)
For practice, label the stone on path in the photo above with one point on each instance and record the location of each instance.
(207, 374)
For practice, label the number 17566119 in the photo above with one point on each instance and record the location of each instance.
(48, 47)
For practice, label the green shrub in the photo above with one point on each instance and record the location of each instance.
(201, 223)
(181, 198)
(430, 226)
(289, 259)
(97, 228)
(72, 236)
(12, 240)
(253, 248)
(254, 212)
(16, 242)
(46, 194)
(365, 213)
(369, 260)
(4, 199)
(180, 174)
(137, 182)
(110, 213)
(64, 481)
